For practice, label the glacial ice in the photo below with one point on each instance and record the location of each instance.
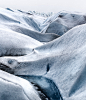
(45, 55)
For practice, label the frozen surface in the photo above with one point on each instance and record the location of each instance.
(61, 22)
(47, 53)
(15, 88)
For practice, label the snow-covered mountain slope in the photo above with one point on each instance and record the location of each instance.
(9, 17)
(35, 35)
(62, 60)
(13, 43)
(61, 22)
(54, 65)
(15, 88)
(25, 24)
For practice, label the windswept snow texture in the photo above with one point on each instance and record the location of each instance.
(42, 58)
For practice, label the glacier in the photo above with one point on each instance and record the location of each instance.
(42, 58)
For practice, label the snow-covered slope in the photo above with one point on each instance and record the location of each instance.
(54, 65)
(25, 24)
(15, 88)
(13, 43)
(61, 22)
(62, 60)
